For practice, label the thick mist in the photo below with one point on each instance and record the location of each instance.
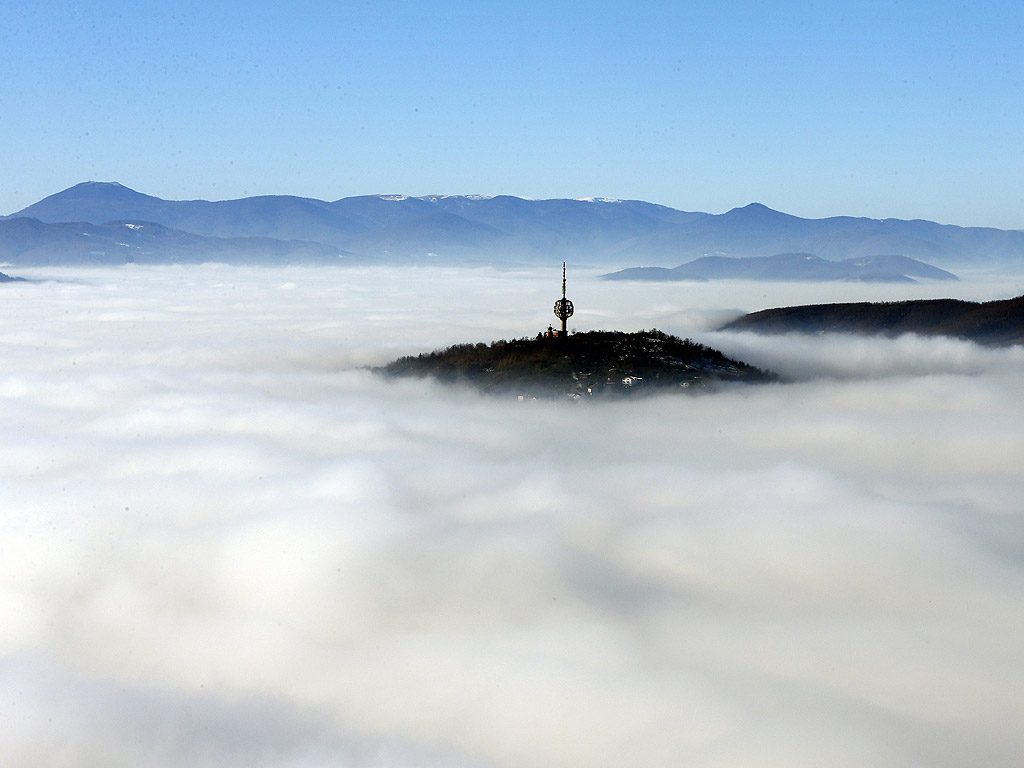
(224, 542)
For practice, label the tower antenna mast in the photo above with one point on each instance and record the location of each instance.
(563, 307)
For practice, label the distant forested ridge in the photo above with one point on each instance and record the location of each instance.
(594, 363)
(991, 323)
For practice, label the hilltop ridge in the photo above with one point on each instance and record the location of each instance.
(991, 323)
(582, 365)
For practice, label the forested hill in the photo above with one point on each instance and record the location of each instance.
(992, 322)
(594, 363)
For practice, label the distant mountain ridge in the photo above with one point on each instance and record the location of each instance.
(466, 228)
(790, 266)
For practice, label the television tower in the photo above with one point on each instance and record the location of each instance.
(563, 307)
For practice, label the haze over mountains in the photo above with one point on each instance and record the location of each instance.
(462, 229)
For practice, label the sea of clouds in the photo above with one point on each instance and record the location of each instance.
(226, 543)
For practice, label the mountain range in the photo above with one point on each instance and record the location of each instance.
(131, 226)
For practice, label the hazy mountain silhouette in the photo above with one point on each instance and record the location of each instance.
(282, 217)
(790, 266)
(398, 228)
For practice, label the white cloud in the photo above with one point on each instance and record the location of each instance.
(223, 542)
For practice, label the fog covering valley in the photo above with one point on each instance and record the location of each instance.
(227, 543)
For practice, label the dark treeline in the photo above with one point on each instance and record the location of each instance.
(992, 322)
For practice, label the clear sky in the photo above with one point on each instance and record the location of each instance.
(904, 109)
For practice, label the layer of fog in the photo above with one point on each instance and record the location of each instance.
(223, 542)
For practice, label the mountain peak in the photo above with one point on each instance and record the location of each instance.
(105, 191)
(111, 190)
(92, 201)
(754, 209)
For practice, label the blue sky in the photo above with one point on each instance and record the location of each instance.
(903, 109)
